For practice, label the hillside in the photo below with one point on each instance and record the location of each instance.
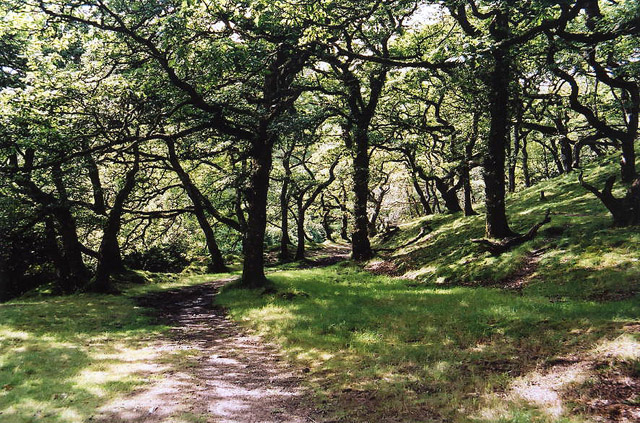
(577, 255)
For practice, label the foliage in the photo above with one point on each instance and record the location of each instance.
(170, 258)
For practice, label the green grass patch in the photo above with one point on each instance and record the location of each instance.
(406, 350)
(584, 258)
(62, 358)
(441, 345)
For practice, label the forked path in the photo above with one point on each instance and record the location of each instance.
(227, 375)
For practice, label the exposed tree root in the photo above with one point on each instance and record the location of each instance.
(424, 231)
(625, 211)
(498, 247)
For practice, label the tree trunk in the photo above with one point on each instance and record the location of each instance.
(494, 175)
(517, 145)
(626, 210)
(76, 269)
(217, 261)
(78, 272)
(344, 220)
(566, 154)
(525, 163)
(465, 171)
(326, 225)
(466, 186)
(62, 268)
(253, 244)
(628, 161)
(110, 261)
(300, 230)
(377, 207)
(326, 219)
(553, 150)
(426, 208)
(431, 191)
(449, 195)
(511, 169)
(285, 240)
(361, 247)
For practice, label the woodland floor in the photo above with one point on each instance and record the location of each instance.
(533, 343)
(231, 376)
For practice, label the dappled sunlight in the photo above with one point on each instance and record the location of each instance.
(552, 389)
(61, 359)
(7, 334)
(40, 410)
(269, 313)
(624, 347)
(208, 368)
(429, 343)
(544, 388)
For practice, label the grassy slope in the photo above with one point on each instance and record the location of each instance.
(586, 257)
(62, 358)
(439, 347)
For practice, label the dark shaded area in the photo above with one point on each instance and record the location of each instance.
(170, 258)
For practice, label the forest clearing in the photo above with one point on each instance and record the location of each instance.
(319, 211)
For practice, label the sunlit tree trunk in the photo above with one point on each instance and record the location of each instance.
(361, 246)
(256, 193)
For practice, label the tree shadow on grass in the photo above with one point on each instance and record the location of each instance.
(441, 347)
(60, 359)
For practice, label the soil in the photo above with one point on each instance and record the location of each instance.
(327, 256)
(227, 375)
(382, 267)
(612, 394)
(593, 384)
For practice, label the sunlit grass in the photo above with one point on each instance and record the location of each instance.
(62, 358)
(440, 344)
(440, 348)
(603, 262)
(436, 346)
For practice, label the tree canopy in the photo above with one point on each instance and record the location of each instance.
(143, 133)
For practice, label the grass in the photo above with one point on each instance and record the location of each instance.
(382, 344)
(62, 358)
(603, 261)
(437, 345)
(441, 345)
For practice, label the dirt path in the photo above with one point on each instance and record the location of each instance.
(227, 375)
(525, 274)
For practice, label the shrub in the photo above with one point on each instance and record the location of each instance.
(170, 258)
